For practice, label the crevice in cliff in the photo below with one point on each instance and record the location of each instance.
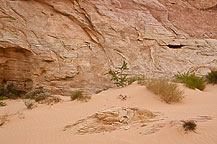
(95, 31)
(175, 46)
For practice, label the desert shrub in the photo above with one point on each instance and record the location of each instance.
(9, 92)
(3, 98)
(41, 96)
(29, 104)
(79, 95)
(191, 80)
(38, 94)
(167, 91)
(119, 77)
(2, 104)
(189, 125)
(212, 77)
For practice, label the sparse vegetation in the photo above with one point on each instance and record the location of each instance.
(3, 119)
(29, 104)
(79, 95)
(3, 98)
(38, 94)
(41, 96)
(189, 125)
(131, 80)
(191, 80)
(119, 77)
(9, 91)
(2, 104)
(167, 91)
(51, 100)
(212, 77)
(142, 80)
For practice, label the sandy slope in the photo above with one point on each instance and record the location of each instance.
(44, 124)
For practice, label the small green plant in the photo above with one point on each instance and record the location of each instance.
(119, 77)
(167, 91)
(29, 104)
(212, 77)
(189, 125)
(2, 104)
(3, 98)
(79, 95)
(191, 80)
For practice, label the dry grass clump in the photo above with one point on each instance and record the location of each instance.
(29, 104)
(131, 80)
(3, 119)
(191, 80)
(212, 77)
(51, 100)
(42, 96)
(80, 95)
(142, 80)
(38, 94)
(167, 91)
(189, 125)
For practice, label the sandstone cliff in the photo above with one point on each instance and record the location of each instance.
(69, 44)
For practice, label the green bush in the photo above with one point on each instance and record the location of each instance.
(2, 104)
(167, 91)
(191, 80)
(212, 77)
(119, 77)
(3, 98)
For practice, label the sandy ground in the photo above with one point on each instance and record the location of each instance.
(45, 124)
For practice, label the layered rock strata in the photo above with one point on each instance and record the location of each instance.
(70, 44)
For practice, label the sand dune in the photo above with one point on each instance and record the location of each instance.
(45, 124)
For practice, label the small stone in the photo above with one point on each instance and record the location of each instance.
(127, 128)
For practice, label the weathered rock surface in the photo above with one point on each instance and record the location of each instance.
(111, 119)
(69, 44)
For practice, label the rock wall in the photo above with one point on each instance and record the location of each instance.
(70, 44)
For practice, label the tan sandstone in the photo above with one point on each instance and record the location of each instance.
(70, 44)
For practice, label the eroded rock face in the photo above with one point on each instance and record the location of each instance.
(16, 68)
(111, 119)
(72, 44)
